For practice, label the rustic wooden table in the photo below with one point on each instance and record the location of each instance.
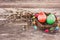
(12, 32)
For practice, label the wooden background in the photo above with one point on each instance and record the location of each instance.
(10, 31)
(30, 3)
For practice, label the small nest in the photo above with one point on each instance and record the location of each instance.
(44, 26)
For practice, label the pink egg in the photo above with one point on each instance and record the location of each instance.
(36, 15)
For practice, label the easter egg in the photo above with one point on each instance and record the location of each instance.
(51, 19)
(57, 28)
(34, 22)
(51, 29)
(36, 15)
(42, 17)
(35, 27)
(33, 16)
(46, 30)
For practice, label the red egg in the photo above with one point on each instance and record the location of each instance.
(46, 30)
(42, 17)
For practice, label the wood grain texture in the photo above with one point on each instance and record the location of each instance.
(30, 3)
(6, 11)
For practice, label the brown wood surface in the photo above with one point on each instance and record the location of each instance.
(9, 31)
(30, 3)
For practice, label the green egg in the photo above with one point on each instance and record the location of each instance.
(51, 19)
(51, 29)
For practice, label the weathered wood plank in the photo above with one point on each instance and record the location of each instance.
(30, 1)
(30, 5)
(6, 11)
